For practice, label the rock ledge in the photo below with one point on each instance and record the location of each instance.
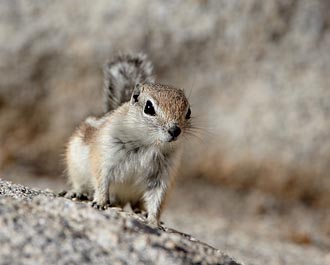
(37, 227)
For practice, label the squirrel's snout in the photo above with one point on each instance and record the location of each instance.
(174, 131)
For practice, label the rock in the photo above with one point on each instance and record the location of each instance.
(257, 72)
(38, 227)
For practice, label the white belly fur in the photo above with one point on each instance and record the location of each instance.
(129, 178)
(123, 193)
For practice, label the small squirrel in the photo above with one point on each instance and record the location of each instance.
(129, 155)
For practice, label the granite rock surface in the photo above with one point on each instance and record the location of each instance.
(37, 227)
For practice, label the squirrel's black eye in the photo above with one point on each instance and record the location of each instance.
(188, 114)
(149, 109)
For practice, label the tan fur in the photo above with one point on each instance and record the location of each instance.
(170, 99)
(128, 156)
(87, 132)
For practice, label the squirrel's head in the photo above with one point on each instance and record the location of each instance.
(161, 113)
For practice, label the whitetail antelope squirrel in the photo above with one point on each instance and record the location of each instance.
(130, 155)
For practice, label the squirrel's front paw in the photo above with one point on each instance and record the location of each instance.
(72, 195)
(100, 206)
(153, 222)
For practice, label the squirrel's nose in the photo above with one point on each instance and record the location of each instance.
(174, 131)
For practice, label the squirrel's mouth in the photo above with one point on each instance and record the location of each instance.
(168, 139)
(172, 139)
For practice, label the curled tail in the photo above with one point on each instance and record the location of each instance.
(122, 74)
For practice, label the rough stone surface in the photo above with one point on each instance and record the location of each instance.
(39, 228)
(257, 72)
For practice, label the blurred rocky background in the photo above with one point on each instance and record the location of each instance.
(257, 74)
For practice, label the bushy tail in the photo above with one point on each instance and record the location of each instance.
(122, 74)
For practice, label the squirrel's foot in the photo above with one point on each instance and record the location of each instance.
(153, 222)
(62, 193)
(75, 195)
(100, 206)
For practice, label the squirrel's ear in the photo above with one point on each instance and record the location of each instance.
(136, 93)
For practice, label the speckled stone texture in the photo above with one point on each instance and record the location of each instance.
(38, 227)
